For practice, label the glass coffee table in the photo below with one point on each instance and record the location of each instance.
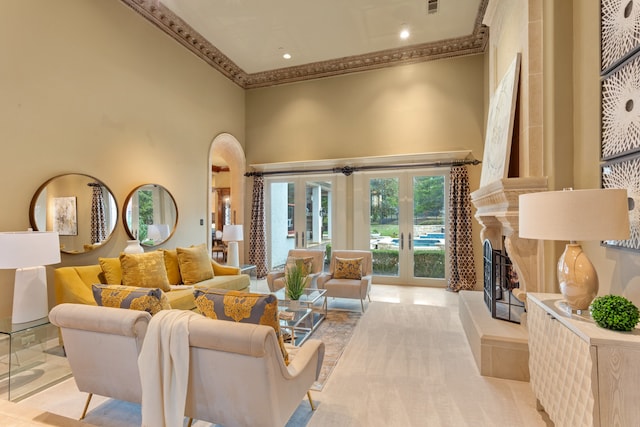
(298, 316)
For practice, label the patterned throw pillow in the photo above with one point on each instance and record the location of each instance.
(195, 264)
(144, 270)
(172, 266)
(111, 270)
(242, 307)
(348, 268)
(143, 299)
(306, 263)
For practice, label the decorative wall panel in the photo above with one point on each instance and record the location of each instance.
(620, 30)
(625, 173)
(621, 110)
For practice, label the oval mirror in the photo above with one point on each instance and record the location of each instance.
(79, 207)
(150, 214)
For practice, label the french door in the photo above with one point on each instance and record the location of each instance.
(299, 215)
(406, 226)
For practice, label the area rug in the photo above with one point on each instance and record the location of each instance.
(335, 331)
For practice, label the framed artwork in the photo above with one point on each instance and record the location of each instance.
(621, 110)
(620, 32)
(625, 173)
(65, 216)
(497, 145)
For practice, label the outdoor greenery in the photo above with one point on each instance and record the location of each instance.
(615, 312)
(427, 263)
(428, 196)
(145, 208)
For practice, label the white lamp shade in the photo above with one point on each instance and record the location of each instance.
(29, 249)
(575, 215)
(232, 233)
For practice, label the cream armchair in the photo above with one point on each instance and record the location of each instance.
(237, 374)
(275, 279)
(102, 346)
(347, 287)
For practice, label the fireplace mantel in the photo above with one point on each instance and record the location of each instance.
(497, 207)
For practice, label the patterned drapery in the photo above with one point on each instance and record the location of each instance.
(462, 274)
(258, 232)
(98, 222)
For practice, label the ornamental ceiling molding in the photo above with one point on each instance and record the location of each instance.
(159, 15)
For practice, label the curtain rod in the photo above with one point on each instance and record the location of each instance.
(348, 170)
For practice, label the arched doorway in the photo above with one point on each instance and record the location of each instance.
(226, 148)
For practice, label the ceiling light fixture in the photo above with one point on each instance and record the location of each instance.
(404, 34)
(287, 56)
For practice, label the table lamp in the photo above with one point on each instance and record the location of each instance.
(232, 234)
(575, 215)
(28, 252)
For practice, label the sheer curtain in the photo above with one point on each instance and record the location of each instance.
(462, 274)
(258, 232)
(98, 222)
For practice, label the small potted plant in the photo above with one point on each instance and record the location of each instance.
(295, 281)
(614, 312)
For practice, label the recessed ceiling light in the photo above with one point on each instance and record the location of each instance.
(287, 56)
(404, 34)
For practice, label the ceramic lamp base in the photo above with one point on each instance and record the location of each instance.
(233, 258)
(577, 277)
(30, 301)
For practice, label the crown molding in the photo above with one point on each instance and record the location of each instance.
(159, 15)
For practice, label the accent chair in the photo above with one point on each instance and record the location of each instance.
(102, 345)
(349, 276)
(276, 279)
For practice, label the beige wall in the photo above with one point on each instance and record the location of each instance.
(427, 107)
(91, 87)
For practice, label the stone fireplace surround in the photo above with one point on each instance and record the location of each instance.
(500, 348)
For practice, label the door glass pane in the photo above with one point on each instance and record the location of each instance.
(318, 214)
(384, 228)
(428, 227)
(281, 222)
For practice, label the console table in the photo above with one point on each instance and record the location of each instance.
(581, 374)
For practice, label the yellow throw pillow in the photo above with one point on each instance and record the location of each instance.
(151, 300)
(172, 266)
(306, 263)
(111, 270)
(348, 268)
(195, 264)
(241, 307)
(145, 270)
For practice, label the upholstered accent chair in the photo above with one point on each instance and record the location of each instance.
(238, 376)
(102, 345)
(349, 275)
(276, 280)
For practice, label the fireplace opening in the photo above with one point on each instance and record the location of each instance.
(500, 278)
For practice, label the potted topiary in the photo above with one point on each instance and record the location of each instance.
(295, 281)
(614, 312)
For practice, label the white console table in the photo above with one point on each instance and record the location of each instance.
(582, 374)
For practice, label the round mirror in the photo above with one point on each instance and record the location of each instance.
(150, 214)
(79, 207)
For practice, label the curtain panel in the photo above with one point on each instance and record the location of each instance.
(462, 274)
(98, 222)
(258, 232)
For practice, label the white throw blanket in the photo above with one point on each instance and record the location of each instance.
(164, 368)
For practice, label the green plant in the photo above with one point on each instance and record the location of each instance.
(295, 281)
(615, 312)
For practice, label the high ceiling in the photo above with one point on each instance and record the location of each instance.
(246, 39)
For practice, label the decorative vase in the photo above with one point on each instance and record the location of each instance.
(133, 247)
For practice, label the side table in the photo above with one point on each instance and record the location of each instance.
(31, 358)
(252, 271)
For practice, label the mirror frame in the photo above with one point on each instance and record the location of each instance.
(36, 196)
(125, 207)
